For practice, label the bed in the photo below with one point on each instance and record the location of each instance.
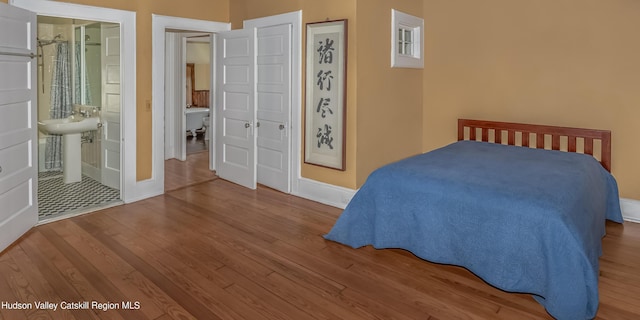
(521, 206)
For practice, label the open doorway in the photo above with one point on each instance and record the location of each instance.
(164, 77)
(198, 94)
(188, 87)
(78, 171)
(188, 111)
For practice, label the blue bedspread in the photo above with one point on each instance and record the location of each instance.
(524, 220)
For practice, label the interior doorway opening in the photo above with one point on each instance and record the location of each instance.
(188, 108)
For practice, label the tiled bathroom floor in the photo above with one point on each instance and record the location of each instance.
(56, 198)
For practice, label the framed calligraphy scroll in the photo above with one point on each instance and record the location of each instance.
(324, 143)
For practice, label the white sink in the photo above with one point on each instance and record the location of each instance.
(70, 128)
(72, 124)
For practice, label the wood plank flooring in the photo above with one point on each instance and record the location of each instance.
(180, 174)
(215, 250)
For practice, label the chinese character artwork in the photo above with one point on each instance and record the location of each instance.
(324, 140)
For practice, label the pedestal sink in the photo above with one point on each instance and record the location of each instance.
(70, 128)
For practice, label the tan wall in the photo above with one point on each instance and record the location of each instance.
(559, 62)
(389, 125)
(199, 53)
(215, 10)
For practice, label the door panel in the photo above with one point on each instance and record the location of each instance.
(111, 126)
(235, 107)
(18, 131)
(274, 106)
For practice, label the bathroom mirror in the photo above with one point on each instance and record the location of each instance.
(87, 69)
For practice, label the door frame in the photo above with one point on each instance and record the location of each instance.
(160, 24)
(176, 52)
(129, 187)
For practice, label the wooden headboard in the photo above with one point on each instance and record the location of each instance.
(561, 138)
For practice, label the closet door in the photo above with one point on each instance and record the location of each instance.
(235, 107)
(18, 124)
(273, 106)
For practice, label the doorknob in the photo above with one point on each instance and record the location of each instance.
(247, 125)
(283, 127)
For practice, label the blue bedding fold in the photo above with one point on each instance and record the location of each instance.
(524, 220)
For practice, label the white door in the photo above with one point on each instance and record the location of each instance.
(110, 113)
(18, 118)
(235, 107)
(274, 106)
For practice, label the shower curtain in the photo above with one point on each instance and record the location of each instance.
(61, 105)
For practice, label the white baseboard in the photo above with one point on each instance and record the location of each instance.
(630, 209)
(144, 190)
(324, 193)
(92, 172)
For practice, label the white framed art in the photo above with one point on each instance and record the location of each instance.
(326, 94)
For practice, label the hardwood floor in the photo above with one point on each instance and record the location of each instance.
(196, 144)
(180, 174)
(215, 250)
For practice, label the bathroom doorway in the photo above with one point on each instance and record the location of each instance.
(188, 111)
(78, 81)
(197, 113)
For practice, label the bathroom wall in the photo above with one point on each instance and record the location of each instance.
(199, 54)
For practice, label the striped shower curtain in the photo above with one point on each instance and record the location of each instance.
(61, 105)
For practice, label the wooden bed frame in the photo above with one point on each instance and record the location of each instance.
(561, 138)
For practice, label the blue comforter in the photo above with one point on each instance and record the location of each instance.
(524, 220)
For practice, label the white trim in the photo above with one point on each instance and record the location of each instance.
(630, 209)
(155, 185)
(170, 75)
(129, 188)
(324, 193)
(295, 19)
(416, 24)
